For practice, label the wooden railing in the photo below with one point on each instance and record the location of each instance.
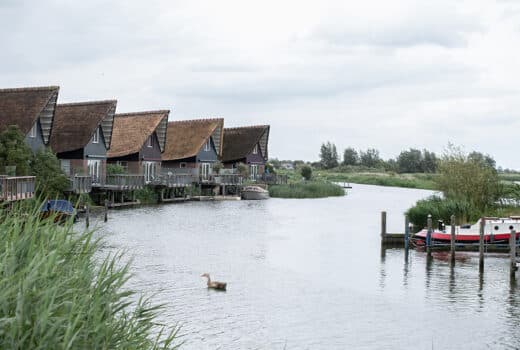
(123, 182)
(16, 187)
(175, 180)
(81, 183)
(229, 179)
(270, 179)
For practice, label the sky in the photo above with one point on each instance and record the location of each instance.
(389, 75)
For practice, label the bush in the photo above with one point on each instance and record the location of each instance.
(14, 151)
(51, 182)
(147, 195)
(56, 292)
(306, 172)
(115, 169)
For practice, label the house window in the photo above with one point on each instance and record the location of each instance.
(207, 146)
(205, 170)
(95, 138)
(32, 132)
(255, 149)
(182, 165)
(94, 170)
(253, 171)
(149, 171)
(150, 141)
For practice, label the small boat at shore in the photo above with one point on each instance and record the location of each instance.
(496, 230)
(62, 209)
(254, 193)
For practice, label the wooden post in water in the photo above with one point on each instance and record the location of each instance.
(406, 236)
(452, 239)
(87, 215)
(481, 245)
(106, 210)
(429, 236)
(512, 253)
(383, 226)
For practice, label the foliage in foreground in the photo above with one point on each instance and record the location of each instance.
(54, 295)
(51, 182)
(311, 189)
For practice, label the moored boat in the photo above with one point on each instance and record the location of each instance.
(254, 193)
(62, 209)
(496, 230)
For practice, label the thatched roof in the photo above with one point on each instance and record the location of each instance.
(131, 130)
(239, 142)
(75, 124)
(22, 107)
(186, 137)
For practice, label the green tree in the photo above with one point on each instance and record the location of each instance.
(467, 179)
(350, 156)
(328, 155)
(410, 161)
(51, 182)
(14, 151)
(483, 159)
(370, 158)
(306, 172)
(429, 162)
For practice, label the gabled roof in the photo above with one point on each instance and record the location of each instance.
(131, 130)
(22, 107)
(239, 142)
(186, 137)
(75, 124)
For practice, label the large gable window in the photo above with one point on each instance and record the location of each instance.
(149, 142)
(95, 138)
(255, 149)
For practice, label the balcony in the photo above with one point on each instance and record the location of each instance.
(80, 184)
(13, 188)
(121, 182)
(174, 180)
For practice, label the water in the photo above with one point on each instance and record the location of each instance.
(310, 274)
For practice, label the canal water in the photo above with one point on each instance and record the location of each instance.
(310, 274)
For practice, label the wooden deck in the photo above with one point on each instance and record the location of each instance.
(122, 182)
(14, 188)
(80, 184)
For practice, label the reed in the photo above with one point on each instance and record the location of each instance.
(307, 189)
(54, 293)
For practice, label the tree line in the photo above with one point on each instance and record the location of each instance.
(408, 161)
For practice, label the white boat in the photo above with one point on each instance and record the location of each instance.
(254, 193)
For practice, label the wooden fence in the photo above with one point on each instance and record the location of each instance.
(16, 187)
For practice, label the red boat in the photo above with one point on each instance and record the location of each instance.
(496, 230)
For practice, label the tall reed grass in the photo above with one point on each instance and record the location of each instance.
(55, 295)
(307, 189)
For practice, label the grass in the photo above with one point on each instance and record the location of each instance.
(310, 189)
(420, 181)
(55, 295)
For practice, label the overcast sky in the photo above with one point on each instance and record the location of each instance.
(384, 74)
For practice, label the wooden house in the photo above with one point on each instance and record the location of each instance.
(138, 140)
(80, 138)
(32, 110)
(247, 145)
(193, 146)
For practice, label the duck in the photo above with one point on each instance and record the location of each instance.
(214, 284)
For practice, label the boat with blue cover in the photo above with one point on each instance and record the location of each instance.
(62, 209)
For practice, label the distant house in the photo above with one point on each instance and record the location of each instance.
(32, 110)
(81, 136)
(192, 146)
(138, 139)
(247, 145)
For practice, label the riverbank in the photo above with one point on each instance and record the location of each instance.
(56, 291)
(418, 181)
(307, 189)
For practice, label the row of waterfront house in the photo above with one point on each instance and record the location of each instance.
(171, 156)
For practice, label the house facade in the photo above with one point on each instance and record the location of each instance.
(81, 137)
(247, 145)
(193, 146)
(32, 110)
(138, 140)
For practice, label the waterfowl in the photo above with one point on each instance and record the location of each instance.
(214, 284)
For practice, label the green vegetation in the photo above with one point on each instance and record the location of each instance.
(14, 152)
(56, 292)
(115, 169)
(306, 172)
(147, 195)
(310, 189)
(51, 182)
(422, 181)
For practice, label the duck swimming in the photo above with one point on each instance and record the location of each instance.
(214, 284)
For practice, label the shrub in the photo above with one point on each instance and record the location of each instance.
(306, 172)
(147, 195)
(306, 190)
(115, 169)
(51, 182)
(14, 152)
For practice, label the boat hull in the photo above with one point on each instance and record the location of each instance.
(445, 237)
(254, 193)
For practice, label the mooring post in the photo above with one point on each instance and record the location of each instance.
(512, 253)
(406, 235)
(87, 215)
(452, 239)
(481, 245)
(429, 236)
(106, 210)
(383, 226)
